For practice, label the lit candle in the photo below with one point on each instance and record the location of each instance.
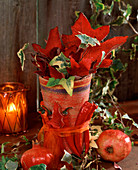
(13, 108)
(13, 117)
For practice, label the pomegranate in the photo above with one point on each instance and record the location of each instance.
(36, 156)
(113, 145)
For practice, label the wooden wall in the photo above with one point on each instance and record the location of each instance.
(18, 26)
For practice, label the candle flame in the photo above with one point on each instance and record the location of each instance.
(11, 107)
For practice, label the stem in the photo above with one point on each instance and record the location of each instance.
(117, 110)
(134, 30)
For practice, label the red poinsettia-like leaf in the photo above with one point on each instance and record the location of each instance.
(106, 63)
(77, 55)
(53, 42)
(70, 40)
(82, 25)
(94, 54)
(77, 69)
(55, 74)
(68, 51)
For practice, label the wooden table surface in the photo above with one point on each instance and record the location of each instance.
(129, 163)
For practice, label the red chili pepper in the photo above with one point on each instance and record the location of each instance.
(70, 139)
(84, 115)
(86, 140)
(86, 133)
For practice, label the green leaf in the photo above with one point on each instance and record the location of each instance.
(21, 54)
(3, 163)
(118, 66)
(52, 82)
(62, 62)
(119, 21)
(127, 130)
(38, 167)
(99, 6)
(68, 84)
(106, 88)
(86, 40)
(67, 157)
(108, 9)
(3, 145)
(24, 137)
(128, 11)
(127, 117)
(136, 39)
(10, 165)
(113, 84)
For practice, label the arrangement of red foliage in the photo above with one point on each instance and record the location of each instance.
(83, 61)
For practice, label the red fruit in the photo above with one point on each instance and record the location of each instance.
(113, 145)
(36, 156)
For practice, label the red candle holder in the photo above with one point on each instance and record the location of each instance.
(13, 108)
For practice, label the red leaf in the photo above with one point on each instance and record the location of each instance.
(70, 40)
(77, 69)
(106, 63)
(55, 74)
(53, 42)
(82, 25)
(68, 51)
(36, 47)
(94, 54)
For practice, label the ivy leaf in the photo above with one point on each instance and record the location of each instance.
(86, 40)
(21, 55)
(52, 82)
(128, 11)
(108, 9)
(119, 21)
(67, 157)
(68, 84)
(99, 6)
(10, 165)
(61, 61)
(117, 65)
(129, 118)
(106, 88)
(3, 145)
(127, 130)
(38, 167)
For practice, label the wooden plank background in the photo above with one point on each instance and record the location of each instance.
(18, 26)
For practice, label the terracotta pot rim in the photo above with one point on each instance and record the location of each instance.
(85, 77)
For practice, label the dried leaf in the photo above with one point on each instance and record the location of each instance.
(116, 166)
(67, 157)
(10, 165)
(21, 55)
(93, 144)
(127, 117)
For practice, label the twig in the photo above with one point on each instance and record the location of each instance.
(134, 30)
(117, 110)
